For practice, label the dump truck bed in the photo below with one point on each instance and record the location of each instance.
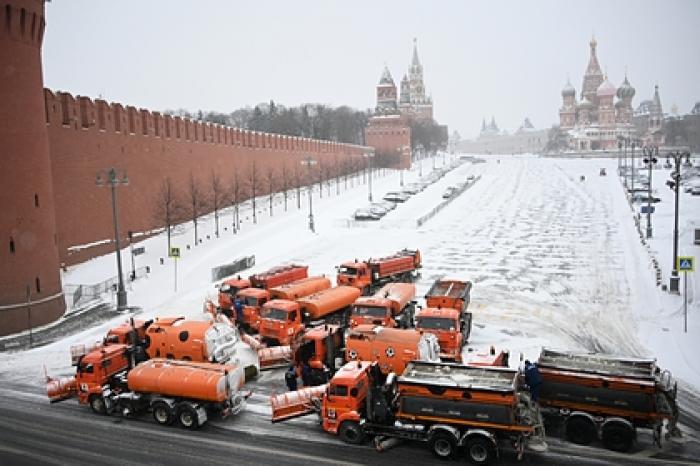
(598, 364)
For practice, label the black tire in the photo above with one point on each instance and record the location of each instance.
(351, 432)
(187, 417)
(580, 430)
(163, 414)
(617, 436)
(443, 445)
(97, 404)
(479, 450)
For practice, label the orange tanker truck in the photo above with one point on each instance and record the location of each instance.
(275, 276)
(456, 410)
(446, 316)
(391, 306)
(606, 397)
(300, 288)
(369, 274)
(282, 321)
(171, 390)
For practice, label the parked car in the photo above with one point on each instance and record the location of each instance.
(378, 209)
(471, 178)
(644, 198)
(396, 196)
(410, 189)
(388, 205)
(365, 214)
(449, 192)
(695, 191)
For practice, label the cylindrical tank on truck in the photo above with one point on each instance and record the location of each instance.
(300, 288)
(331, 301)
(277, 276)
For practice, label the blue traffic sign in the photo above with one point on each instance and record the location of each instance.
(686, 263)
(647, 209)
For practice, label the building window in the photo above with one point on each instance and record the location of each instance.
(38, 285)
(36, 200)
(8, 17)
(12, 245)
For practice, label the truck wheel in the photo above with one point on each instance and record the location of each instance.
(580, 430)
(351, 432)
(187, 417)
(479, 450)
(443, 445)
(97, 404)
(162, 413)
(617, 436)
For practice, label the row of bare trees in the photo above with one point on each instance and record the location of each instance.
(175, 204)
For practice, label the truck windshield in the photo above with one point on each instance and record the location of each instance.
(229, 289)
(275, 314)
(436, 323)
(251, 301)
(369, 311)
(348, 271)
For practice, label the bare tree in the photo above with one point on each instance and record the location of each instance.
(271, 180)
(217, 198)
(168, 207)
(196, 204)
(236, 193)
(336, 170)
(286, 182)
(252, 180)
(297, 184)
(320, 179)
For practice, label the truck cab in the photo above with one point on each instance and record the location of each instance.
(96, 369)
(344, 400)
(252, 299)
(446, 325)
(227, 293)
(372, 311)
(280, 322)
(357, 274)
(322, 349)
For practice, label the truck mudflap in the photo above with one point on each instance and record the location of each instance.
(295, 404)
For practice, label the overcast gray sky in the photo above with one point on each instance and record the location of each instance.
(509, 59)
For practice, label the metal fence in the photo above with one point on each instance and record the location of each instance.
(78, 294)
(231, 268)
(421, 220)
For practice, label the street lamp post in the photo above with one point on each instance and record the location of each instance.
(309, 162)
(113, 181)
(634, 142)
(674, 184)
(619, 155)
(369, 156)
(650, 160)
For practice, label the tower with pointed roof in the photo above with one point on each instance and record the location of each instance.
(413, 100)
(593, 77)
(386, 94)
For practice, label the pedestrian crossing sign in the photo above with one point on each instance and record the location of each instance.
(175, 253)
(686, 264)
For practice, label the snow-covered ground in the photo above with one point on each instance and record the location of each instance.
(555, 261)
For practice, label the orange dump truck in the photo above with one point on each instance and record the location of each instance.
(300, 288)
(283, 321)
(391, 306)
(366, 275)
(171, 390)
(456, 410)
(606, 397)
(391, 348)
(277, 276)
(446, 316)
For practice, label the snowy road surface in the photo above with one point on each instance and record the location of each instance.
(555, 261)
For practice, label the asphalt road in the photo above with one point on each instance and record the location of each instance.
(34, 432)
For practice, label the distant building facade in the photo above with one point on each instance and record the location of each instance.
(491, 140)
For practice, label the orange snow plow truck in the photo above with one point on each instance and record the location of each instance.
(456, 410)
(275, 276)
(369, 274)
(391, 306)
(283, 321)
(446, 316)
(181, 391)
(606, 397)
(326, 348)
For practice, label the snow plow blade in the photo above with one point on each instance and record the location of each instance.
(60, 389)
(253, 342)
(275, 356)
(295, 404)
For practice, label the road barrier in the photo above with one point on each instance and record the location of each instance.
(225, 270)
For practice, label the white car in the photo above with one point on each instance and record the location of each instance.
(388, 205)
(396, 197)
(449, 192)
(378, 209)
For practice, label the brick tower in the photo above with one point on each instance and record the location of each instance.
(30, 282)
